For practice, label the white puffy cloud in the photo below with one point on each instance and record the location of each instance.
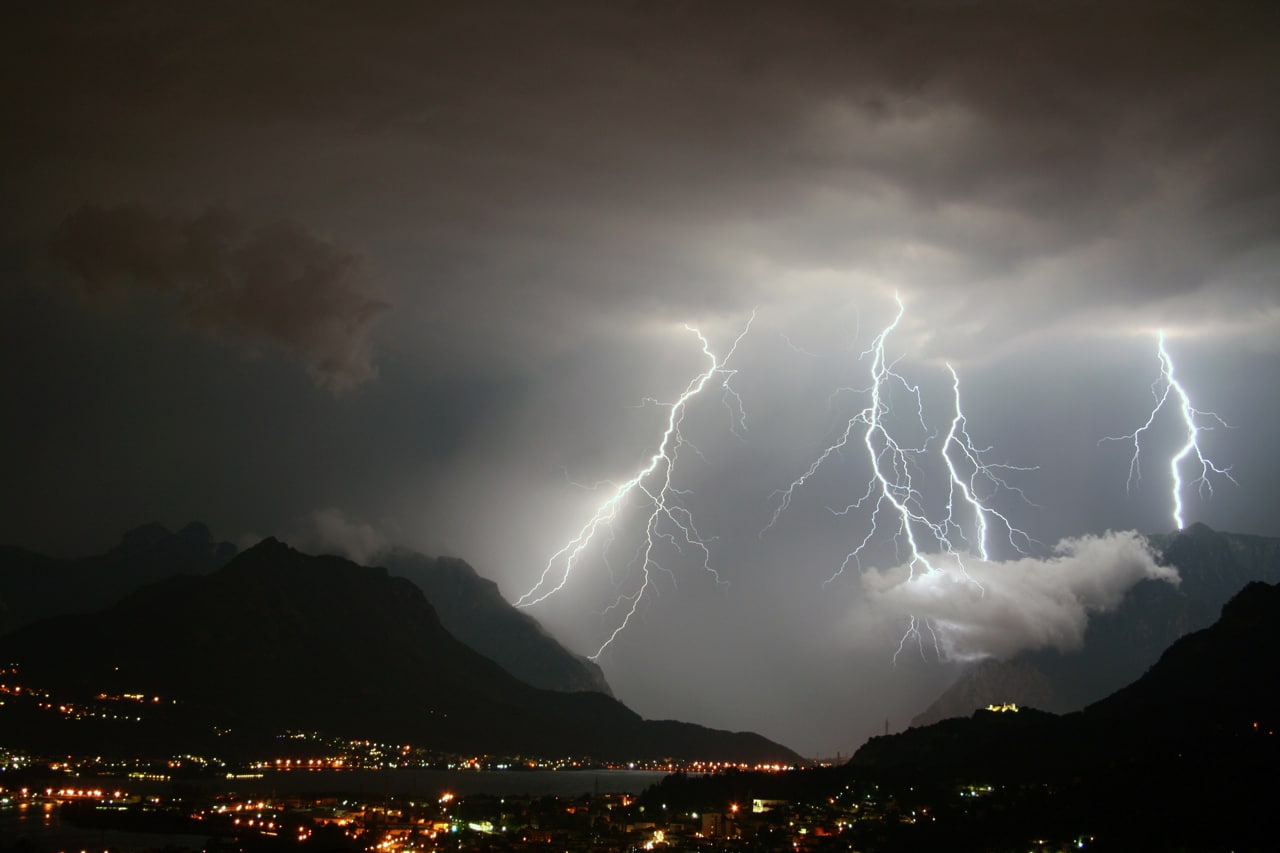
(983, 609)
(337, 533)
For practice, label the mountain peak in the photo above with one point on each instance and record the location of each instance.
(1123, 643)
(270, 545)
(277, 639)
(196, 533)
(1212, 674)
(472, 608)
(145, 535)
(1196, 530)
(1256, 604)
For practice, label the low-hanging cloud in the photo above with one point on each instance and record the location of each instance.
(997, 609)
(337, 533)
(276, 285)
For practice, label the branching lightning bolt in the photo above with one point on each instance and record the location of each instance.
(886, 455)
(981, 472)
(891, 489)
(1165, 388)
(654, 486)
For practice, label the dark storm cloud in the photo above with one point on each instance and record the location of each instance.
(271, 286)
(548, 191)
(583, 163)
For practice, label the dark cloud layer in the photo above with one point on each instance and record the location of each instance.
(671, 158)
(272, 286)
(548, 192)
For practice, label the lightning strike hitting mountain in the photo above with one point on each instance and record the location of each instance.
(1165, 388)
(667, 520)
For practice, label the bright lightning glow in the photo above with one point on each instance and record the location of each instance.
(1163, 389)
(887, 455)
(667, 519)
(980, 472)
(892, 491)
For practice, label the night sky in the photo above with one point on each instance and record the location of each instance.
(364, 275)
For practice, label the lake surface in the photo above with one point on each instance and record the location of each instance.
(43, 834)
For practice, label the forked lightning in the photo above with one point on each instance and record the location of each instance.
(891, 489)
(1164, 389)
(653, 486)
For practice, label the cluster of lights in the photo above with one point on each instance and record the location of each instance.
(19, 690)
(720, 766)
(188, 760)
(428, 824)
(80, 794)
(81, 710)
(84, 712)
(301, 764)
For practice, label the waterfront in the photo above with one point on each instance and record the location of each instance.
(40, 832)
(424, 783)
(400, 782)
(40, 823)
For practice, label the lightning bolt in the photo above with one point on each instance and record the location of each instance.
(667, 520)
(1164, 389)
(891, 489)
(891, 463)
(982, 476)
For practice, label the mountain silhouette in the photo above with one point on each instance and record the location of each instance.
(474, 611)
(278, 640)
(1121, 644)
(1182, 759)
(1220, 681)
(33, 586)
(1213, 694)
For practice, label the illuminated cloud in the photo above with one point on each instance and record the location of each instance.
(336, 533)
(1002, 608)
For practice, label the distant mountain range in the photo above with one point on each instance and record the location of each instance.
(276, 640)
(1213, 695)
(1120, 645)
(33, 587)
(1184, 758)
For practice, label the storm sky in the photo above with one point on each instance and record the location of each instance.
(419, 274)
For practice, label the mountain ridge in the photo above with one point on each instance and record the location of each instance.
(1208, 695)
(34, 586)
(277, 640)
(1121, 644)
(473, 609)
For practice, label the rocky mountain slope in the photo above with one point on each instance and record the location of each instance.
(474, 611)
